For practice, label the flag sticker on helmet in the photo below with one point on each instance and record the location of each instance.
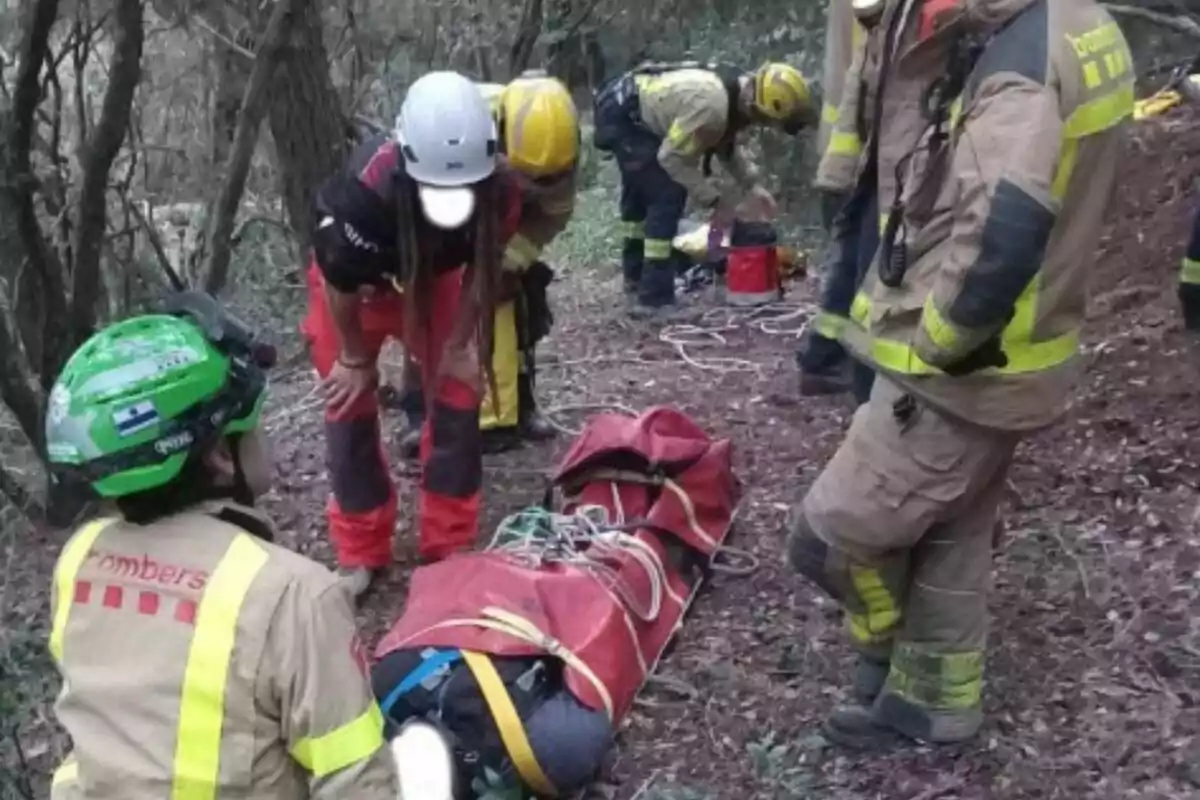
(135, 418)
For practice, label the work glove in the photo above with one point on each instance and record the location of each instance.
(988, 354)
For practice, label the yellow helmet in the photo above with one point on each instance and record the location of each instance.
(781, 93)
(539, 126)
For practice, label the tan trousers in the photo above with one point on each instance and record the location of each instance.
(899, 529)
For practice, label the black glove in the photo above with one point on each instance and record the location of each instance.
(986, 355)
(539, 318)
(832, 204)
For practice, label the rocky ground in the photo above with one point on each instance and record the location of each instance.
(1094, 664)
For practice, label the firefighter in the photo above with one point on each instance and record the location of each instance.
(539, 139)
(664, 122)
(1189, 280)
(198, 658)
(395, 228)
(822, 359)
(999, 129)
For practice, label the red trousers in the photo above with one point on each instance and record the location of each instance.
(362, 508)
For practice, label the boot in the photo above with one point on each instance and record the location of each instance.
(869, 676)
(356, 582)
(817, 384)
(532, 425)
(500, 440)
(893, 721)
(1189, 298)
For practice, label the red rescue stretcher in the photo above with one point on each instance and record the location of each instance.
(600, 580)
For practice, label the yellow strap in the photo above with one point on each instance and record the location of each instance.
(521, 629)
(353, 742)
(508, 722)
(202, 704)
(65, 573)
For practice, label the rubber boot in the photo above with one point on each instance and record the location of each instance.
(532, 425)
(1189, 298)
(893, 721)
(818, 384)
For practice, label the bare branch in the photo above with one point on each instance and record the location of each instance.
(102, 148)
(1176, 22)
(19, 496)
(156, 244)
(219, 238)
(19, 387)
(44, 262)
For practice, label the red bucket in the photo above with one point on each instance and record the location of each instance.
(752, 276)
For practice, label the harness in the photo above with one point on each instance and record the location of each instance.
(619, 97)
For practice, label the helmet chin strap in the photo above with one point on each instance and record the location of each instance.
(240, 492)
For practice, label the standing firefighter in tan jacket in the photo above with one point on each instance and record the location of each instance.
(1003, 120)
(199, 660)
(665, 123)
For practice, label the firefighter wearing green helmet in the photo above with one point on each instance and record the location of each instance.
(198, 658)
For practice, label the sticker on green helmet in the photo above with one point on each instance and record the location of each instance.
(136, 397)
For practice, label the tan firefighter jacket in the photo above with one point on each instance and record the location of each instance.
(1001, 221)
(689, 109)
(547, 206)
(201, 661)
(838, 168)
(843, 36)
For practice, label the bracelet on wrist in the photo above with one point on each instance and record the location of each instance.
(363, 363)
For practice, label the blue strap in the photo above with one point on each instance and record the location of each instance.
(419, 673)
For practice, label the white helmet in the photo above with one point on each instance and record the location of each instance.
(448, 138)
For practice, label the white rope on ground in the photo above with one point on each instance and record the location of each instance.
(550, 413)
(771, 319)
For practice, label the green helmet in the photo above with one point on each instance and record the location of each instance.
(138, 397)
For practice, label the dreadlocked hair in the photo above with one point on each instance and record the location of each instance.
(423, 251)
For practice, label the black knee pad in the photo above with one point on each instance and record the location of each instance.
(809, 555)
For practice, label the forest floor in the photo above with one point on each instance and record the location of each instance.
(1093, 682)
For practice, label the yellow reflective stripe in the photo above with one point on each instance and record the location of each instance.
(67, 772)
(941, 331)
(657, 248)
(508, 722)
(880, 616)
(956, 110)
(1024, 355)
(1190, 272)
(681, 140)
(65, 572)
(521, 251)
(633, 230)
(202, 704)
(844, 143)
(860, 309)
(353, 742)
(937, 681)
(829, 324)
(830, 114)
(1100, 114)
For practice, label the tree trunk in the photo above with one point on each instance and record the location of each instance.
(528, 32)
(233, 73)
(218, 239)
(307, 124)
(124, 72)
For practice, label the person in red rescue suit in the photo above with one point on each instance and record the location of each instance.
(198, 658)
(408, 245)
(994, 143)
